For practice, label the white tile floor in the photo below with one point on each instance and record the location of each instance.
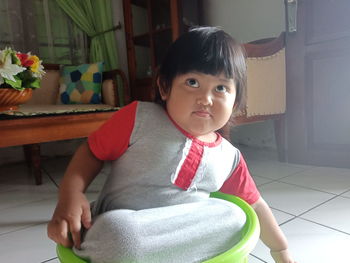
(312, 204)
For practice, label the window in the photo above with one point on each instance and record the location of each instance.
(41, 27)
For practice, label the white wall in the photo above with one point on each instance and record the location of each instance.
(248, 20)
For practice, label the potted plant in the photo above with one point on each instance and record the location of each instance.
(20, 73)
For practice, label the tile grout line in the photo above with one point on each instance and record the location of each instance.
(289, 220)
(298, 172)
(314, 222)
(329, 227)
(29, 202)
(48, 260)
(258, 258)
(282, 211)
(50, 177)
(304, 187)
(23, 228)
(302, 218)
(324, 202)
(294, 173)
(276, 180)
(309, 188)
(347, 197)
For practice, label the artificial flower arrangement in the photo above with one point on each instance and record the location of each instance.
(20, 70)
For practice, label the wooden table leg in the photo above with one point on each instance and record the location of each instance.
(32, 155)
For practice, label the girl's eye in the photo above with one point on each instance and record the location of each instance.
(192, 82)
(221, 89)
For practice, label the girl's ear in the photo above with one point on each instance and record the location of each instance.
(162, 93)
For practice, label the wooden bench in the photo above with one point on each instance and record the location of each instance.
(42, 120)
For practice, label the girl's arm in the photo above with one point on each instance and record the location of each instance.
(73, 209)
(271, 234)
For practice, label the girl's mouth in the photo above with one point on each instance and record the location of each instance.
(202, 114)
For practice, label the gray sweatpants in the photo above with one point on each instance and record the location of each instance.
(191, 232)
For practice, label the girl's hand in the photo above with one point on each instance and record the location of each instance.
(71, 211)
(282, 256)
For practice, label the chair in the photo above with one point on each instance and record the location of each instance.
(237, 254)
(266, 88)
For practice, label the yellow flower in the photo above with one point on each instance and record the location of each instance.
(37, 68)
(36, 64)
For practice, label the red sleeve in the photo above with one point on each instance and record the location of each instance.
(241, 184)
(112, 139)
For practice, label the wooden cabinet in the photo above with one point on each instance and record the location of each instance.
(150, 27)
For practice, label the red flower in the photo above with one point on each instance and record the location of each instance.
(24, 58)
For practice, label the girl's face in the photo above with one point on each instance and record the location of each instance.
(200, 103)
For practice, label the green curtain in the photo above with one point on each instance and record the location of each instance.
(95, 17)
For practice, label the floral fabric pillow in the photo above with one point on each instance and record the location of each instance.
(81, 84)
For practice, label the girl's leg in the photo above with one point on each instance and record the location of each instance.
(190, 232)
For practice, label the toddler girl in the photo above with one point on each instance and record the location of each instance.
(167, 158)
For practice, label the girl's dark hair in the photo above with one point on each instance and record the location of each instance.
(208, 50)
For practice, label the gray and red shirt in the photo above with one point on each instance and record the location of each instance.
(155, 163)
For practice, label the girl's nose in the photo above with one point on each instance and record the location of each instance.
(205, 100)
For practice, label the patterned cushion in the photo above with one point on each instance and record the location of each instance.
(81, 84)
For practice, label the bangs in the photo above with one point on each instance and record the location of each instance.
(206, 50)
(211, 56)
